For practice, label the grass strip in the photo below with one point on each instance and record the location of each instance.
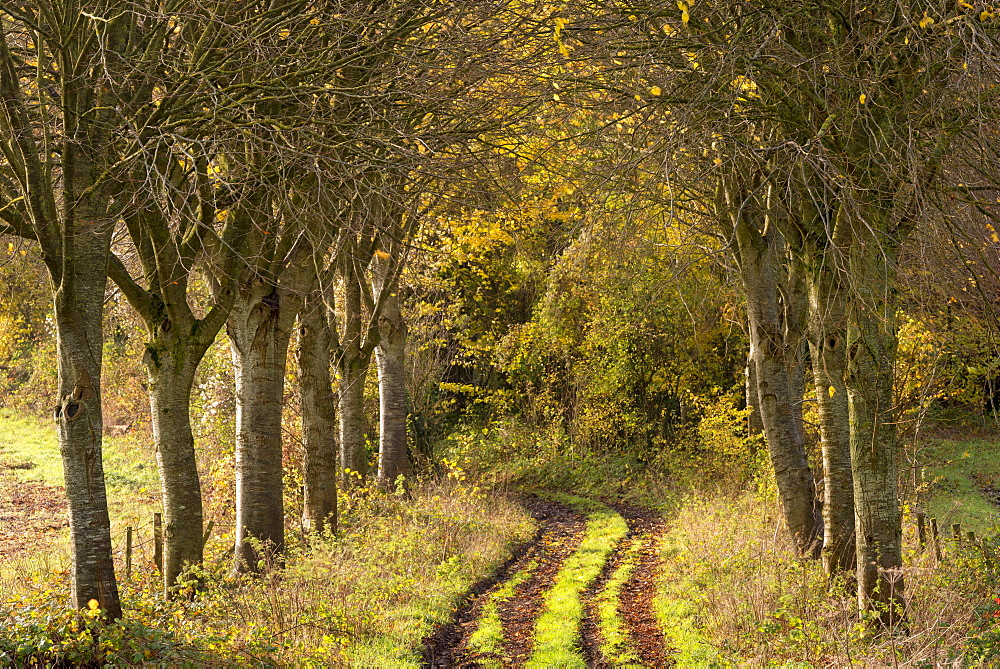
(488, 637)
(557, 630)
(615, 638)
(677, 614)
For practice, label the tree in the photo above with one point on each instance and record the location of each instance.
(72, 81)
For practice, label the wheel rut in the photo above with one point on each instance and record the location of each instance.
(559, 532)
(639, 591)
(516, 595)
(563, 532)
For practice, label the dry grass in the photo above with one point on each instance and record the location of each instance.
(733, 592)
(369, 597)
(366, 598)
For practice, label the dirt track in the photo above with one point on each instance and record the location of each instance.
(560, 531)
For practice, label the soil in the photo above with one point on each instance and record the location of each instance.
(636, 599)
(32, 514)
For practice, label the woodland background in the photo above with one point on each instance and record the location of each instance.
(344, 280)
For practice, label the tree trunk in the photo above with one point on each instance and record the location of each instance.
(827, 346)
(352, 366)
(259, 329)
(871, 353)
(760, 265)
(319, 428)
(795, 318)
(390, 358)
(171, 368)
(755, 425)
(79, 310)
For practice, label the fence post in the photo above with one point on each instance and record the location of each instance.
(921, 530)
(956, 532)
(935, 539)
(158, 540)
(208, 534)
(128, 552)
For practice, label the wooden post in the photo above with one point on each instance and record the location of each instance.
(972, 537)
(158, 540)
(956, 532)
(208, 533)
(128, 552)
(935, 539)
(921, 530)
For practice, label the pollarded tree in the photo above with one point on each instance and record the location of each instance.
(230, 86)
(863, 101)
(73, 91)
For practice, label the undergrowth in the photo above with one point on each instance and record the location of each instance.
(366, 598)
(732, 592)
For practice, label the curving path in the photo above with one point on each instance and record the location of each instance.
(498, 625)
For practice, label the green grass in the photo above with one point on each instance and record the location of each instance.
(129, 471)
(955, 472)
(677, 613)
(615, 645)
(129, 466)
(557, 630)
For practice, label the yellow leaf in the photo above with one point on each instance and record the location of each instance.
(10, 247)
(985, 15)
(92, 605)
(926, 22)
(381, 255)
(284, 33)
(863, 98)
(560, 24)
(832, 391)
(555, 96)
(655, 90)
(638, 97)
(685, 17)
(996, 240)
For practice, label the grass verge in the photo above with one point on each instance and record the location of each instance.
(366, 598)
(732, 593)
(557, 630)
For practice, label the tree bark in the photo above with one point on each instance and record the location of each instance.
(755, 425)
(352, 368)
(828, 346)
(171, 368)
(319, 420)
(871, 353)
(390, 354)
(79, 309)
(760, 266)
(259, 330)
